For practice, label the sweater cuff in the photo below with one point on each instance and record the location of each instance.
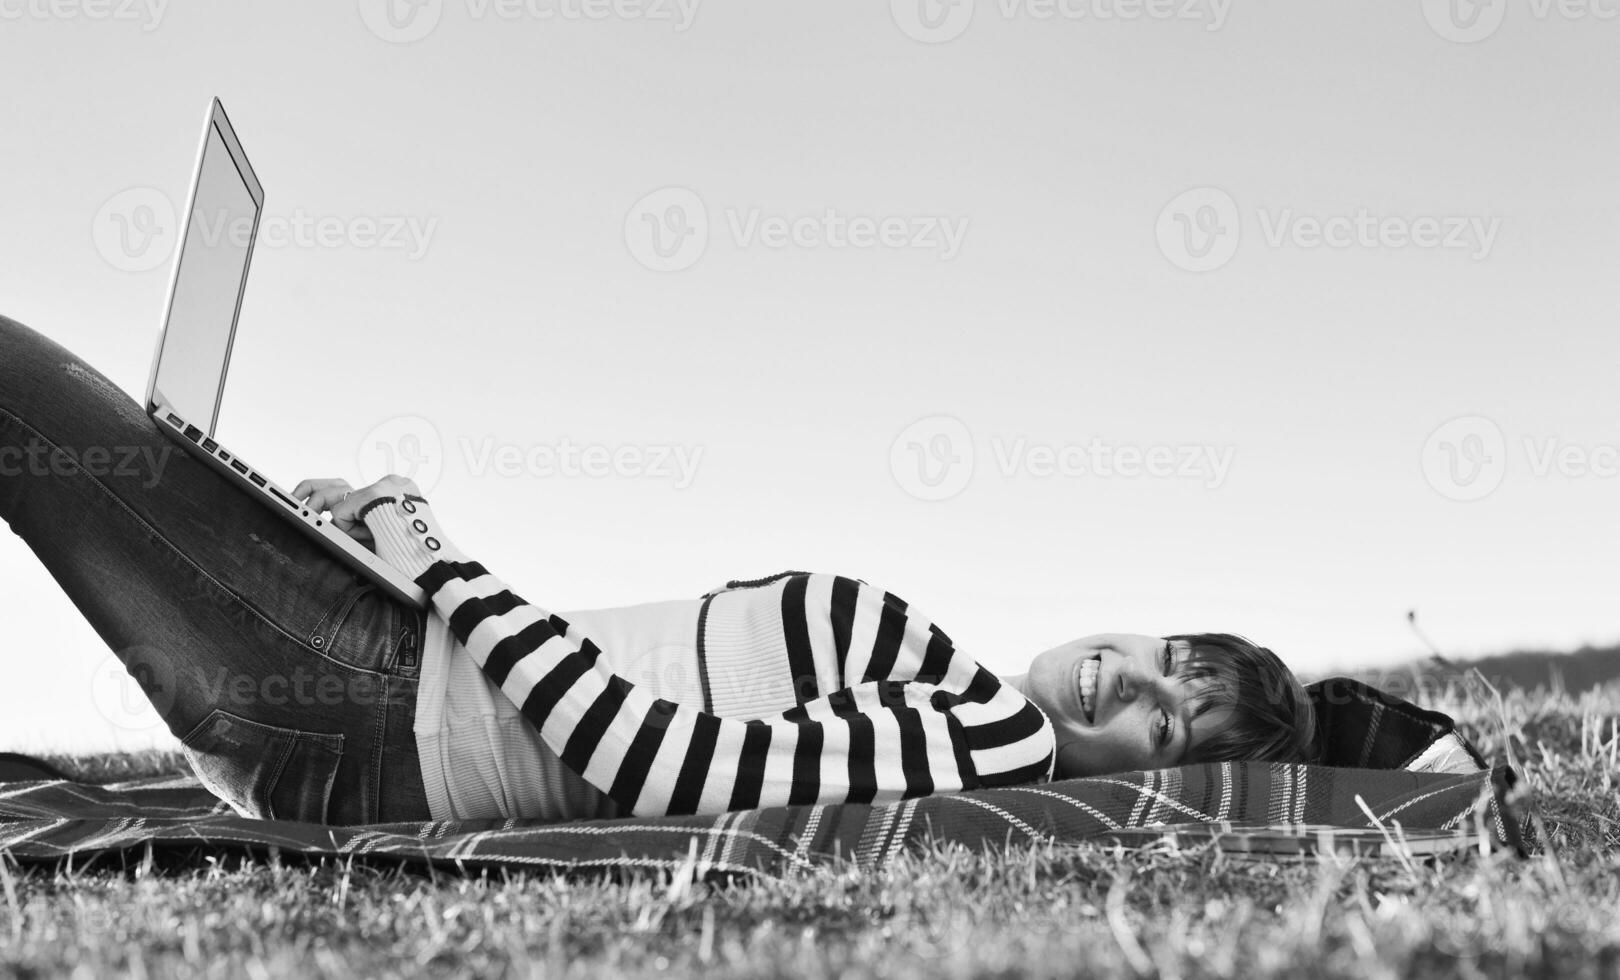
(407, 535)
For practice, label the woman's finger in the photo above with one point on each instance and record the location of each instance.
(339, 500)
(307, 487)
(322, 495)
(334, 498)
(346, 509)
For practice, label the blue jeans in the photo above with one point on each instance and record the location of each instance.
(289, 680)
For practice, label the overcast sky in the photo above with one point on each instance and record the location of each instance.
(1276, 318)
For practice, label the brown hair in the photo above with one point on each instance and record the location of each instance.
(1272, 716)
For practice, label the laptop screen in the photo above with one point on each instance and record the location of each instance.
(207, 287)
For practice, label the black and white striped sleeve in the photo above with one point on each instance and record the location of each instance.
(846, 632)
(875, 741)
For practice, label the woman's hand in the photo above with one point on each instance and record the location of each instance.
(344, 502)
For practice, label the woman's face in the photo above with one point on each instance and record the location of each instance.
(1117, 704)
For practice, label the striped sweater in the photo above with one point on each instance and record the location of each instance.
(879, 704)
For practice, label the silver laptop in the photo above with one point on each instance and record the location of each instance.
(194, 345)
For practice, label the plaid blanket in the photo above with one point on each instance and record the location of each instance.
(1437, 796)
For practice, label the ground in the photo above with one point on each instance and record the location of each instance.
(1037, 911)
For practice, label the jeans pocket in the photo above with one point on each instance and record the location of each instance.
(325, 634)
(264, 771)
(364, 628)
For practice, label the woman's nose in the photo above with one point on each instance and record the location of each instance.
(1126, 682)
(1131, 681)
(1135, 680)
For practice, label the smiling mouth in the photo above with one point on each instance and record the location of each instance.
(1090, 670)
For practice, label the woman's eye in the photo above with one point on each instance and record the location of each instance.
(1168, 657)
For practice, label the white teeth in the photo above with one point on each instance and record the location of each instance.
(1088, 688)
